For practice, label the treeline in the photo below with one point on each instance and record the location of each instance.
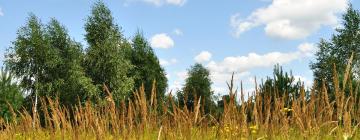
(44, 61)
(47, 62)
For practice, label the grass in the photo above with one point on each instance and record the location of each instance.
(260, 117)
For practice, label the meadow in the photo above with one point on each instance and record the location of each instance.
(310, 116)
(53, 88)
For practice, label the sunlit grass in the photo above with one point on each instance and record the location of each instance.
(315, 117)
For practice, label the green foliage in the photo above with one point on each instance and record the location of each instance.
(105, 59)
(147, 68)
(68, 78)
(282, 84)
(10, 93)
(30, 57)
(197, 85)
(49, 62)
(324, 64)
(347, 40)
(221, 104)
(337, 51)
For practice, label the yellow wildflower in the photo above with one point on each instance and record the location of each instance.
(286, 110)
(346, 136)
(254, 127)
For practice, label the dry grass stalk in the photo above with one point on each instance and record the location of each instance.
(266, 114)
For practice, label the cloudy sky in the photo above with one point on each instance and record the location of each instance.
(247, 37)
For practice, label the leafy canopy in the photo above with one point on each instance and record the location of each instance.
(147, 68)
(10, 93)
(105, 59)
(198, 84)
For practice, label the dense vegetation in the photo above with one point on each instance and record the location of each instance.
(53, 88)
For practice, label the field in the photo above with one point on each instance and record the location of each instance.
(310, 116)
(150, 80)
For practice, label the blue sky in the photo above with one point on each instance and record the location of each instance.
(247, 37)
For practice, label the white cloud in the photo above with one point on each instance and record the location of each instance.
(219, 89)
(220, 78)
(168, 62)
(176, 2)
(204, 56)
(291, 19)
(178, 32)
(154, 2)
(308, 48)
(176, 85)
(308, 83)
(162, 40)
(241, 65)
(182, 75)
(1, 12)
(253, 60)
(221, 72)
(165, 2)
(179, 82)
(168, 76)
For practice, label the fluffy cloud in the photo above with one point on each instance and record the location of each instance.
(242, 65)
(168, 76)
(308, 83)
(307, 48)
(178, 32)
(253, 60)
(182, 75)
(161, 41)
(168, 62)
(221, 71)
(291, 19)
(220, 78)
(164, 2)
(1, 12)
(176, 2)
(173, 87)
(179, 82)
(204, 56)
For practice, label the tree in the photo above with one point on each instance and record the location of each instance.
(10, 93)
(147, 68)
(68, 78)
(338, 50)
(283, 84)
(105, 59)
(197, 85)
(221, 103)
(30, 57)
(49, 63)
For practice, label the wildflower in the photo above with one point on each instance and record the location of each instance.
(340, 117)
(286, 110)
(254, 129)
(346, 136)
(227, 129)
(108, 99)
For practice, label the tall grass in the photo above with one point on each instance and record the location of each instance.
(310, 116)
